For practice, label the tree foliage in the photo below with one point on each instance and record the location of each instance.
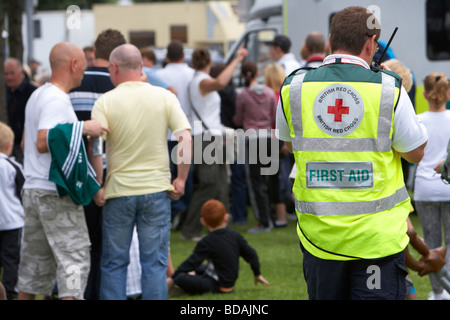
(13, 10)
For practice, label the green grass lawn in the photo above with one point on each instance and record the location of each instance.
(281, 265)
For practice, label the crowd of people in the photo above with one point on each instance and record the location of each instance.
(127, 135)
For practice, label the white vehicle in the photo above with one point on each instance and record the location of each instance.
(422, 41)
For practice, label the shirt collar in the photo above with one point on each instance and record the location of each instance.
(345, 58)
(286, 57)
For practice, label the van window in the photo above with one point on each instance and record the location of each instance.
(257, 43)
(438, 29)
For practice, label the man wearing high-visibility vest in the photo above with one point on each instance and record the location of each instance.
(348, 126)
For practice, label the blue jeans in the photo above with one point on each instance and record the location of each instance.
(238, 193)
(151, 214)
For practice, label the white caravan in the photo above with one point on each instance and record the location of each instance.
(422, 42)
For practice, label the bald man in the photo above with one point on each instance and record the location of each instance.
(138, 185)
(18, 91)
(56, 242)
(314, 49)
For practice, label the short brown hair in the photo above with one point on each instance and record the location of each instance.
(106, 42)
(149, 54)
(200, 58)
(213, 213)
(349, 29)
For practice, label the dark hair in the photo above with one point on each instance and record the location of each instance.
(349, 29)
(248, 71)
(213, 213)
(200, 58)
(106, 42)
(175, 51)
(283, 42)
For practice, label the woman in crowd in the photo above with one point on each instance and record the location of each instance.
(255, 110)
(210, 175)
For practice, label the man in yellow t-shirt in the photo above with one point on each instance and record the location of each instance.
(137, 188)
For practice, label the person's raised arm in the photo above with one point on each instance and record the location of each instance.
(222, 80)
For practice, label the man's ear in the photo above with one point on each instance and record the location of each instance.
(73, 65)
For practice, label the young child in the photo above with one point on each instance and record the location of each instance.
(431, 195)
(221, 248)
(11, 211)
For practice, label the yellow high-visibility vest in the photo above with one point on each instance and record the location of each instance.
(351, 200)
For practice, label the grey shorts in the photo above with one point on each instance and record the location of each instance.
(55, 245)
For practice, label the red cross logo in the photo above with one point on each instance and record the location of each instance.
(338, 110)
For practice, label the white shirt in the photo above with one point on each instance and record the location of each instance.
(179, 75)
(11, 210)
(47, 107)
(428, 184)
(289, 63)
(207, 107)
(408, 134)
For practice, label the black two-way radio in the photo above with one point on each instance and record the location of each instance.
(376, 64)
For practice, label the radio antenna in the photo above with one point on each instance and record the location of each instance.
(376, 64)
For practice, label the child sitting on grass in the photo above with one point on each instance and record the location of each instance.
(221, 248)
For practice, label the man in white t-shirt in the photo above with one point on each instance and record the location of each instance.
(279, 51)
(56, 242)
(178, 74)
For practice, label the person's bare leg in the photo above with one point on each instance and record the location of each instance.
(25, 296)
(280, 209)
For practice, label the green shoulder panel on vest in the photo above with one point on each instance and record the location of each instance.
(398, 79)
(347, 73)
(288, 79)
